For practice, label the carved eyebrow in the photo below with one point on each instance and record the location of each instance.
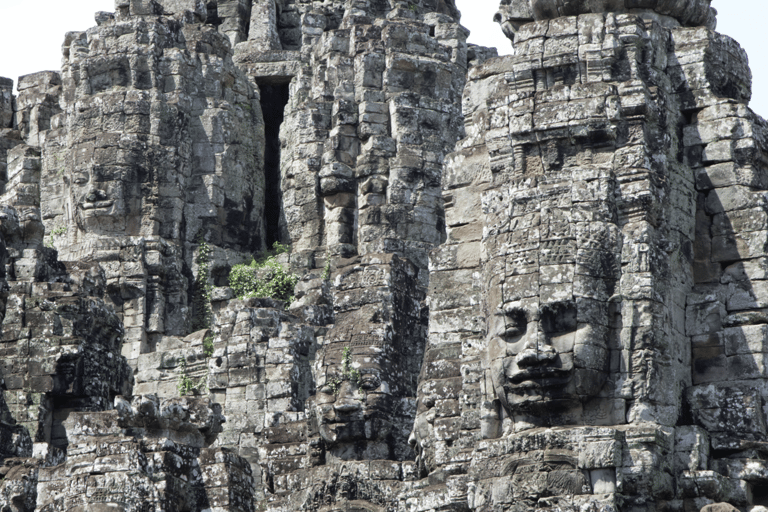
(515, 313)
(554, 307)
(509, 309)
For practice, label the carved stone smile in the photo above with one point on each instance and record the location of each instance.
(538, 375)
(97, 204)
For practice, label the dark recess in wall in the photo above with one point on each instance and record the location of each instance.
(274, 98)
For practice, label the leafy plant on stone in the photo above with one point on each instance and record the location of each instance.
(186, 385)
(201, 300)
(278, 248)
(55, 233)
(208, 345)
(264, 277)
(327, 269)
(347, 372)
(346, 366)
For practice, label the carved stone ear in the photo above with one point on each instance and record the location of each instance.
(490, 419)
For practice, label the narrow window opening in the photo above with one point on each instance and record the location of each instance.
(759, 495)
(274, 98)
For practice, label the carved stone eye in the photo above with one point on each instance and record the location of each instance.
(369, 382)
(558, 317)
(515, 322)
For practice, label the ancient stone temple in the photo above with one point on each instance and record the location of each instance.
(530, 282)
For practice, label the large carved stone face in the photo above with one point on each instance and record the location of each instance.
(99, 204)
(552, 265)
(542, 355)
(357, 400)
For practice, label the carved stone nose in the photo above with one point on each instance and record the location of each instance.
(346, 402)
(535, 353)
(96, 195)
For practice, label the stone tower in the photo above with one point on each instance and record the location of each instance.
(530, 282)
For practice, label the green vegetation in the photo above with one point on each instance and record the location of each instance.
(201, 299)
(55, 233)
(327, 269)
(187, 385)
(264, 277)
(208, 345)
(347, 372)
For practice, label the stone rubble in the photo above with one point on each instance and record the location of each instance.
(530, 282)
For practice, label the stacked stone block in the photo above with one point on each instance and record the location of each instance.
(357, 119)
(235, 16)
(587, 332)
(362, 387)
(6, 103)
(371, 131)
(60, 352)
(599, 94)
(147, 454)
(37, 103)
(724, 145)
(8, 136)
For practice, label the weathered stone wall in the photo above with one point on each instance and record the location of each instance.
(372, 112)
(545, 292)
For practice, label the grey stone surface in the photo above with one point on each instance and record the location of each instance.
(531, 282)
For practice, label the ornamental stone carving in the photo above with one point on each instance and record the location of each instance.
(530, 282)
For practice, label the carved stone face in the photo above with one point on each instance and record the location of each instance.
(551, 272)
(99, 203)
(422, 441)
(356, 403)
(544, 355)
(107, 198)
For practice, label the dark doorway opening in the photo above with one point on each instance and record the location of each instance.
(760, 494)
(274, 98)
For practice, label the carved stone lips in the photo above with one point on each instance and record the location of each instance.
(539, 377)
(97, 204)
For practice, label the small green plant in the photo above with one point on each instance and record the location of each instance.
(279, 248)
(208, 345)
(347, 372)
(346, 366)
(264, 277)
(327, 269)
(55, 233)
(201, 300)
(186, 385)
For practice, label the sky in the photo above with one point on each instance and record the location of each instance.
(33, 31)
